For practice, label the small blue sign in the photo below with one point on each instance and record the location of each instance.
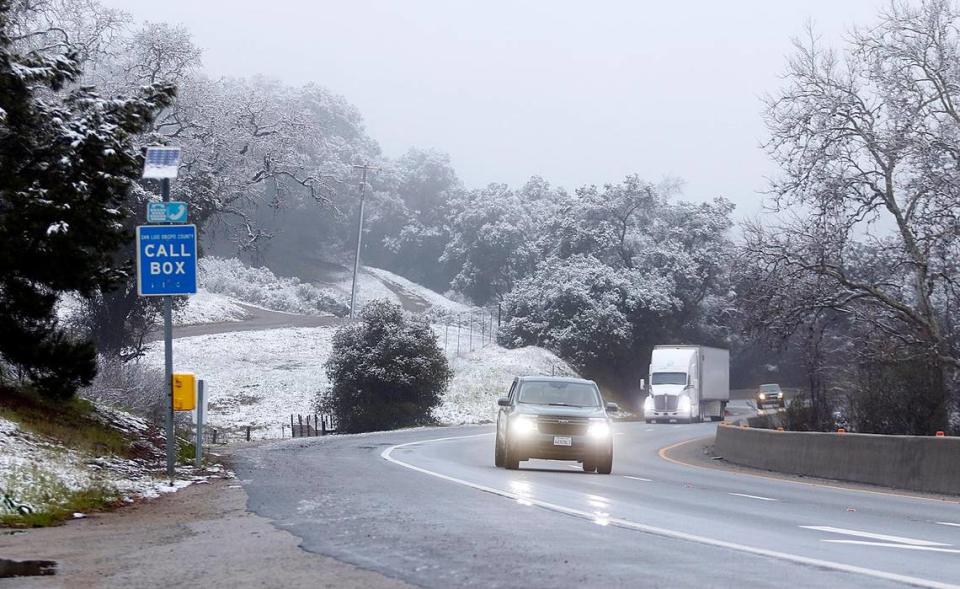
(166, 260)
(167, 212)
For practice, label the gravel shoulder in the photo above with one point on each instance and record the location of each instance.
(202, 536)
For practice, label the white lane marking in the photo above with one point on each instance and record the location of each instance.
(666, 533)
(649, 429)
(752, 496)
(576, 466)
(626, 476)
(948, 524)
(874, 536)
(895, 545)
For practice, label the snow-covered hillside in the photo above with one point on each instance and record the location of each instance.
(481, 377)
(255, 378)
(260, 378)
(208, 307)
(37, 473)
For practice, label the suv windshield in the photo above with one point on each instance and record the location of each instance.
(770, 388)
(574, 394)
(668, 378)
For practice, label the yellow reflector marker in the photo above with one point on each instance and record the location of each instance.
(184, 391)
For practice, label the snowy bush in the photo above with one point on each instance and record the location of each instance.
(259, 286)
(386, 371)
(133, 386)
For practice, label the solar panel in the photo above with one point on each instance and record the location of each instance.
(161, 162)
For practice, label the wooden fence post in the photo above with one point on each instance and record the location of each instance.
(293, 432)
(248, 433)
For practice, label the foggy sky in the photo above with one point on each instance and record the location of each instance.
(577, 92)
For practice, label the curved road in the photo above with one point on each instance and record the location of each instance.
(428, 507)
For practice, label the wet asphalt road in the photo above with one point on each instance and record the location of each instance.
(438, 514)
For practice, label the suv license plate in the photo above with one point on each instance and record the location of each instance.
(562, 441)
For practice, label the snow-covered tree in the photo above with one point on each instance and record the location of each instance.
(868, 147)
(68, 161)
(620, 269)
(495, 235)
(588, 312)
(386, 371)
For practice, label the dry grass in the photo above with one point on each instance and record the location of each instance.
(70, 423)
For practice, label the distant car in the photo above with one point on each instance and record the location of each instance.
(769, 395)
(555, 418)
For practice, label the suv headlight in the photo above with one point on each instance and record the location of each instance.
(523, 425)
(763, 396)
(598, 429)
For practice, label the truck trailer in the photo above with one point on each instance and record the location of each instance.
(687, 384)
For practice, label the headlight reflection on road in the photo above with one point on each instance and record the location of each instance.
(600, 504)
(524, 489)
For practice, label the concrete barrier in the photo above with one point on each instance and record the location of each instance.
(915, 463)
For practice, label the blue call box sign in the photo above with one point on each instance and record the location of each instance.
(167, 212)
(166, 260)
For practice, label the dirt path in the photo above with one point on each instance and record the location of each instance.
(202, 536)
(410, 302)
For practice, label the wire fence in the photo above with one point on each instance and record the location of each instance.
(466, 332)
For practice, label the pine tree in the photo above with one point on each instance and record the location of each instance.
(66, 163)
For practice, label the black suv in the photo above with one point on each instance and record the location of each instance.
(556, 418)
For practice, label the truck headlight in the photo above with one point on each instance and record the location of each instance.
(648, 404)
(763, 396)
(598, 429)
(523, 425)
(683, 406)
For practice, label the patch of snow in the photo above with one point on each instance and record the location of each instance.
(68, 305)
(259, 286)
(260, 378)
(31, 467)
(369, 288)
(482, 376)
(255, 378)
(208, 307)
(58, 227)
(434, 299)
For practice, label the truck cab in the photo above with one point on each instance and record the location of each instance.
(687, 384)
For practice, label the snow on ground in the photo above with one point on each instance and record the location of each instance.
(254, 378)
(208, 307)
(483, 376)
(369, 288)
(434, 299)
(34, 471)
(260, 378)
(259, 286)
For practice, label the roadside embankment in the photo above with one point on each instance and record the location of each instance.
(915, 463)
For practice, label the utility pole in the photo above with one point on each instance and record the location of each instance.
(356, 261)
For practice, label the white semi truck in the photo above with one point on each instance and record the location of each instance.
(687, 384)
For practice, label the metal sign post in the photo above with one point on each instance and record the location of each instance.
(168, 359)
(162, 270)
(200, 417)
